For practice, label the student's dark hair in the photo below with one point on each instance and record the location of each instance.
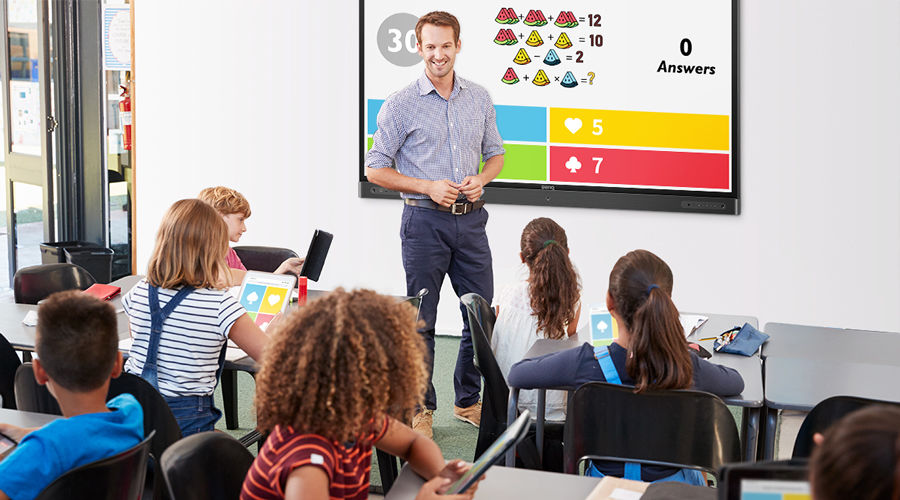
(860, 457)
(340, 364)
(77, 341)
(438, 18)
(640, 285)
(553, 284)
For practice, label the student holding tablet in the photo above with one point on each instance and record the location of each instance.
(235, 210)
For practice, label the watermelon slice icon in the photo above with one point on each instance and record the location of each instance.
(522, 57)
(563, 42)
(572, 20)
(510, 77)
(569, 80)
(535, 18)
(506, 37)
(511, 37)
(566, 20)
(540, 79)
(535, 40)
(551, 59)
(507, 16)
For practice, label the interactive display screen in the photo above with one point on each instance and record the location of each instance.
(613, 103)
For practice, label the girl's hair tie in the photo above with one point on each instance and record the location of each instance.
(651, 287)
(550, 242)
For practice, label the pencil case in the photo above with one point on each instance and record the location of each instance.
(746, 342)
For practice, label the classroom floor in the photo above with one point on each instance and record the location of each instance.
(456, 438)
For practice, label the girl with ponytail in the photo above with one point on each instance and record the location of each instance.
(546, 305)
(651, 352)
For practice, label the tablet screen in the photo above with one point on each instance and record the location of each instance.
(6, 443)
(774, 489)
(510, 437)
(264, 295)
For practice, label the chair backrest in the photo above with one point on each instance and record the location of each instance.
(34, 283)
(826, 413)
(31, 396)
(496, 391)
(9, 363)
(206, 466)
(678, 428)
(120, 477)
(263, 258)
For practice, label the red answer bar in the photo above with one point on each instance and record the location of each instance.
(640, 167)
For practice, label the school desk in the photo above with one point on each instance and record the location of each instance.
(750, 368)
(25, 418)
(507, 482)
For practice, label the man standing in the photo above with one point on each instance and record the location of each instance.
(436, 130)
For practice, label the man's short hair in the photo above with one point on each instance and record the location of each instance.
(438, 18)
(77, 341)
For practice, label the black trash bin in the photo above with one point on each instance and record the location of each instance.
(54, 252)
(97, 261)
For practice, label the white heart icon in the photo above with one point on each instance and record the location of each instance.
(252, 297)
(573, 124)
(573, 164)
(274, 299)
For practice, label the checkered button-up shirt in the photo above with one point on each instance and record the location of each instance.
(429, 137)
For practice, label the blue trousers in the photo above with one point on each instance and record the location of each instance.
(436, 244)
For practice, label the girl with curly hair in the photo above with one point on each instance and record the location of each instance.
(338, 376)
(545, 305)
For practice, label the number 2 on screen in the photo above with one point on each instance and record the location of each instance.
(598, 127)
(597, 167)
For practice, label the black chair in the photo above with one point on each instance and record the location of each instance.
(826, 413)
(158, 418)
(34, 283)
(9, 363)
(263, 258)
(673, 428)
(120, 477)
(496, 391)
(206, 466)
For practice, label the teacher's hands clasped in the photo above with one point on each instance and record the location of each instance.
(445, 192)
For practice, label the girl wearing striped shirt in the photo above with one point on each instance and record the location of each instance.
(342, 374)
(181, 315)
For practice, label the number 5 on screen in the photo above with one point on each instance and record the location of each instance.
(598, 128)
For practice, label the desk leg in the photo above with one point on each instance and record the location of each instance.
(771, 428)
(26, 356)
(539, 432)
(750, 433)
(512, 411)
(229, 398)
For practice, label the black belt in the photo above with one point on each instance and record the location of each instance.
(458, 208)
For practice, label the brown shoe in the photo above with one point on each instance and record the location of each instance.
(422, 422)
(471, 414)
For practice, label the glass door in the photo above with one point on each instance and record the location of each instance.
(27, 126)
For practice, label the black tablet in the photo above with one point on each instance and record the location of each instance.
(776, 480)
(510, 437)
(315, 255)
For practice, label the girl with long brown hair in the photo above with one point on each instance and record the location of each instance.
(545, 305)
(181, 314)
(651, 352)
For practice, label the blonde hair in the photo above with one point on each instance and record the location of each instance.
(191, 246)
(225, 200)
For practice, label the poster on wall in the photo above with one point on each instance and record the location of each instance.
(117, 38)
(618, 103)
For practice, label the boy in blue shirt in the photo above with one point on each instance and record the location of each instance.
(77, 355)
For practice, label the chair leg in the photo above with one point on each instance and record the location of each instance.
(229, 398)
(387, 466)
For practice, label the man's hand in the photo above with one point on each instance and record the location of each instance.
(443, 192)
(472, 187)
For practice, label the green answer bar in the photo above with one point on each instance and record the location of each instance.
(521, 162)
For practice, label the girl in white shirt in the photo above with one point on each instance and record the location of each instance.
(546, 305)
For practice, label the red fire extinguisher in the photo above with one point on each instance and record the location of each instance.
(125, 116)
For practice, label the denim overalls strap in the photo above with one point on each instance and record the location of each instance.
(632, 470)
(157, 318)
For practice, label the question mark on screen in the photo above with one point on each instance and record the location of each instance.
(591, 75)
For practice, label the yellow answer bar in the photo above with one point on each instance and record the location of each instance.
(639, 128)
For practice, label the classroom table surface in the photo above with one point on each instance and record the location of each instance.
(817, 342)
(506, 482)
(25, 418)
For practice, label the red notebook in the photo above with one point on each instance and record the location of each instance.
(103, 292)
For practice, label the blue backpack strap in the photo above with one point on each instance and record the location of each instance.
(607, 365)
(632, 470)
(157, 317)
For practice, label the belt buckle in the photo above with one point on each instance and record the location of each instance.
(463, 206)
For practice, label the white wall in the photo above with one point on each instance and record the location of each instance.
(266, 100)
